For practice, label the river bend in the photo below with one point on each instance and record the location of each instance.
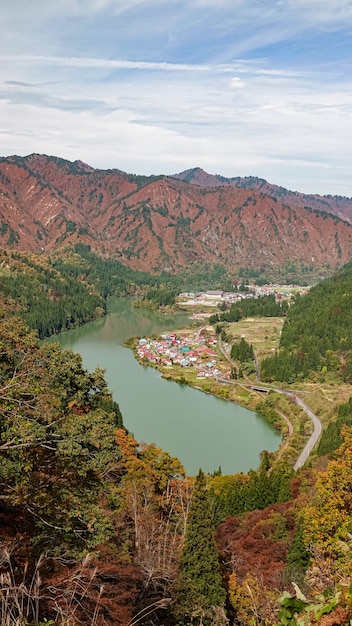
(201, 430)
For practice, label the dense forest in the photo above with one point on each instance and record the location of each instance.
(48, 300)
(317, 333)
(112, 278)
(99, 529)
(70, 288)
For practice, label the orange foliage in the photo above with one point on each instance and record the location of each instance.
(257, 544)
(328, 519)
(93, 592)
(156, 496)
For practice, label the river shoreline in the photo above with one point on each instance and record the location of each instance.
(175, 374)
(196, 427)
(220, 387)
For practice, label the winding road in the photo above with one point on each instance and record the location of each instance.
(317, 426)
(313, 439)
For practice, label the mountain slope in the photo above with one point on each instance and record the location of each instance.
(48, 300)
(161, 223)
(337, 205)
(317, 333)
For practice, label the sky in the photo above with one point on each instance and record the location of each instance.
(236, 87)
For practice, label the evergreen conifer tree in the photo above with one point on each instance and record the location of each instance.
(200, 595)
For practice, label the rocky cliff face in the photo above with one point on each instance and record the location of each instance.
(168, 223)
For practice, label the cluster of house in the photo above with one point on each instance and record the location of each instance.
(216, 297)
(281, 292)
(207, 298)
(187, 351)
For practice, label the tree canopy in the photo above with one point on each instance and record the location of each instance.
(317, 333)
(58, 449)
(200, 593)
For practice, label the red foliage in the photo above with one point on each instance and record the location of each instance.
(254, 544)
(105, 593)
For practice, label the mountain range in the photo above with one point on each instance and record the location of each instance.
(157, 223)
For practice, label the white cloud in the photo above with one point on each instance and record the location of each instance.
(278, 127)
(86, 62)
(236, 83)
(321, 11)
(86, 79)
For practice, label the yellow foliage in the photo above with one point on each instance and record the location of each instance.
(328, 519)
(252, 602)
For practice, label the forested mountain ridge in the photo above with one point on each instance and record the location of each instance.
(317, 333)
(161, 223)
(49, 301)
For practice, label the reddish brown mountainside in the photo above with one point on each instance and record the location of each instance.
(338, 205)
(155, 223)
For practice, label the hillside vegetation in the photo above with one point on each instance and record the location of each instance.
(49, 300)
(98, 529)
(317, 333)
(70, 288)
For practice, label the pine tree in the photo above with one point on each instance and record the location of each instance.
(298, 558)
(200, 595)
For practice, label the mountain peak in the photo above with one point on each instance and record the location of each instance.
(198, 176)
(156, 223)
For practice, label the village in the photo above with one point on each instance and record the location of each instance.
(198, 349)
(214, 298)
(193, 350)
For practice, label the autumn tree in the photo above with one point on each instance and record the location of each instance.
(155, 496)
(328, 519)
(58, 452)
(200, 595)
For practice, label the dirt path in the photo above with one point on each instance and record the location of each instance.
(325, 394)
(232, 363)
(224, 353)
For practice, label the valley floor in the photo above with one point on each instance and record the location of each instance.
(198, 357)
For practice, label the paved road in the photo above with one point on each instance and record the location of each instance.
(317, 427)
(313, 439)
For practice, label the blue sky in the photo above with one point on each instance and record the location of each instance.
(237, 87)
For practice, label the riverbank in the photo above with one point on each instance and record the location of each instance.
(199, 358)
(198, 428)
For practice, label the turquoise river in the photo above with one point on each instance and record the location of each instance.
(201, 430)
